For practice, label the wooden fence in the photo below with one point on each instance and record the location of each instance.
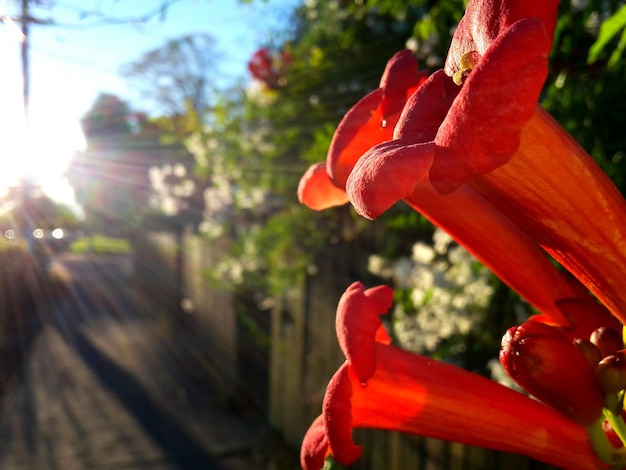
(211, 304)
(302, 352)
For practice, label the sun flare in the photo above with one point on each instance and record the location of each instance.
(38, 148)
(41, 155)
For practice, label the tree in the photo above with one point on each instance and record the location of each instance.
(110, 177)
(108, 119)
(179, 76)
(30, 208)
(260, 142)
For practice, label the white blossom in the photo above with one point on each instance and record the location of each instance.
(448, 290)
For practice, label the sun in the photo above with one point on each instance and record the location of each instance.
(38, 147)
(14, 152)
(39, 153)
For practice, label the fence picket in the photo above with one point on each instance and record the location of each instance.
(303, 351)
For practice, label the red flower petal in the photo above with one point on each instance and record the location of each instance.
(400, 78)
(357, 325)
(482, 129)
(382, 336)
(315, 447)
(587, 315)
(548, 365)
(554, 191)
(337, 413)
(426, 109)
(414, 394)
(485, 20)
(386, 174)
(392, 171)
(317, 191)
(372, 120)
(359, 130)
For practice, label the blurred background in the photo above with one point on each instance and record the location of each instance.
(166, 301)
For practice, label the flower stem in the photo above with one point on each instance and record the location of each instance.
(616, 457)
(617, 423)
(603, 448)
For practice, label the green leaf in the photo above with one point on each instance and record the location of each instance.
(619, 50)
(608, 29)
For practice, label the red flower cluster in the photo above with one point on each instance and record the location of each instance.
(470, 149)
(269, 67)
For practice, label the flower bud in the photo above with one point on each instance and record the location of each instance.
(611, 373)
(547, 365)
(589, 350)
(611, 435)
(607, 340)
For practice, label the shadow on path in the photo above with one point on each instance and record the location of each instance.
(102, 387)
(179, 446)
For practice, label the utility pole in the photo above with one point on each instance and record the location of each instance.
(25, 58)
(22, 36)
(26, 19)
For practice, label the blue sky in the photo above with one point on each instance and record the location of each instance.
(70, 65)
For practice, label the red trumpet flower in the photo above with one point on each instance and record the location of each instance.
(384, 387)
(398, 168)
(473, 152)
(369, 122)
(489, 135)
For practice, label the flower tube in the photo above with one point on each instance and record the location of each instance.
(567, 204)
(414, 394)
(474, 153)
(401, 170)
(492, 137)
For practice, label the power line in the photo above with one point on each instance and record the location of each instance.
(25, 19)
(102, 19)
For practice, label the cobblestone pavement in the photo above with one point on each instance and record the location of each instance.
(104, 386)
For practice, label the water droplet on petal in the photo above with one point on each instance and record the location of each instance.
(383, 123)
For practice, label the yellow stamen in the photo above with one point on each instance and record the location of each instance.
(466, 64)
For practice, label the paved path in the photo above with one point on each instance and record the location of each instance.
(107, 384)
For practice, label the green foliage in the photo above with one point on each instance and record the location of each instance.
(432, 23)
(608, 30)
(32, 209)
(179, 126)
(587, 97)
(11, 244)
(100, 244)
(262, 139)
(322, 138)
